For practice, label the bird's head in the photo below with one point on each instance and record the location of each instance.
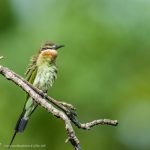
(49, 50)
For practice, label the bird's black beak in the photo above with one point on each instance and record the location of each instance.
(58, 46)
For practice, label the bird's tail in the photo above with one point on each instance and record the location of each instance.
(21, 123)
(20, 126)
(29, 108)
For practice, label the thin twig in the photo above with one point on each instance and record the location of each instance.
(89, 125)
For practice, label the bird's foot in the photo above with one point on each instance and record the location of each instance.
(67, 105)
(44, 94)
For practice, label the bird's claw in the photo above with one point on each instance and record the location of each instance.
(44, 94)
(69, 106)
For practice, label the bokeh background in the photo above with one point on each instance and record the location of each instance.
(104, 70)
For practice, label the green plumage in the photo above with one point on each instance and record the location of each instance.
(41, 77)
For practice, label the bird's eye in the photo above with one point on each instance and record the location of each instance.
(46, 48)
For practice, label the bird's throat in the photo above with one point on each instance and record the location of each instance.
(45, 77)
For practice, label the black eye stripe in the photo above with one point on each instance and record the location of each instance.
(45, 48)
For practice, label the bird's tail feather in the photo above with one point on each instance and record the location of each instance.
(21, 123)
(20, 126)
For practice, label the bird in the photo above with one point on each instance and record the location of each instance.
(41, 73)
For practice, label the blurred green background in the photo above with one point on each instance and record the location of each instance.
(104, 70)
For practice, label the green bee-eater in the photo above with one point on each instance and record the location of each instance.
(42, 73)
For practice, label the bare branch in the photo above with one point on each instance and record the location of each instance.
(10, 75)
(89, 125)
(66, 113)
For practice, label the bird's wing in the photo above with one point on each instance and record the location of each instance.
(31, 72)
(31, 67)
